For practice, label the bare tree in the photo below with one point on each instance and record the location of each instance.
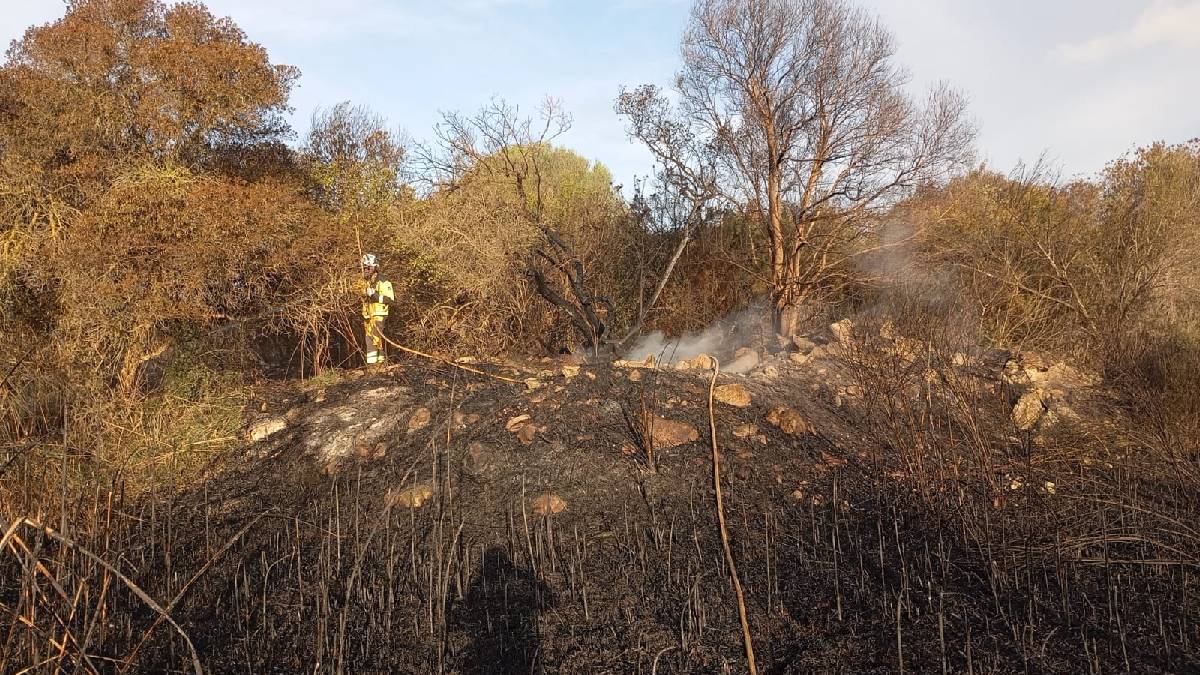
(685, 180)
(675, 207)
(803, 112)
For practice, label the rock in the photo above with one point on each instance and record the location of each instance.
(516, 422)
(698, 362)
(745, 431)
(788, 420)
(263, 429)
(1029, 409)
(412, 497)
(647, 362)
(800, 358)
(635, 376)
(477, 458)
(850, 393)
(527, 433)
(825, 351)
(463, 420)
(843, 331)
(532, 383)
(767, 373)
(419, 419)
(959, 359)
(547, 504)
(744, 361)
(1062, 378)
(732, 394)
(887, 330)
(570, 371)
(832, 460)
(803, 344)
(670, 433)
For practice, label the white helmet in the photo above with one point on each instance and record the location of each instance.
(369, 260)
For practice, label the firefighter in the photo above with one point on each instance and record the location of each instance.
(378, 295)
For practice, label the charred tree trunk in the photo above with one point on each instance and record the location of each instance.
(582, 306)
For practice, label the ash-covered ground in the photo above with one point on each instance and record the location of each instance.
(891, 508)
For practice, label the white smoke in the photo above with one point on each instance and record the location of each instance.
(721, 338)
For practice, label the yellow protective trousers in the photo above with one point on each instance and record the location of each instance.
(373, 330)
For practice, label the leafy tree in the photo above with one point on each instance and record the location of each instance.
(119, 78)
(546, 213)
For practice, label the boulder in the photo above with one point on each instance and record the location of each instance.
(825, 351)
(732, 394)
(1029, 409)
(843, 331)
(788, 420)
(463, 420)
(517, 422)
(419, 419)
(670, 433)
(745, 431)
(802, 344)
(527, 433)
(767, 372)
(698, 362)
(412, 497)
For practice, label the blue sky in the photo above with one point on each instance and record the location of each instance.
(1079, 81)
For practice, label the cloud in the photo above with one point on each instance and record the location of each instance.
(1161, 24)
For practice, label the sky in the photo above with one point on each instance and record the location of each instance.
(1078, 82)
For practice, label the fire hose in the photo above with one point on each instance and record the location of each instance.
(448, 362)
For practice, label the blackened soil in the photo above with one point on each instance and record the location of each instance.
(286, 560)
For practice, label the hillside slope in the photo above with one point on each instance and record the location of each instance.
(890, 507)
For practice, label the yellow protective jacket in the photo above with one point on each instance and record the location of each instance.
(377, 297)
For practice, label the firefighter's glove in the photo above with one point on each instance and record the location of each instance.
(369, 291)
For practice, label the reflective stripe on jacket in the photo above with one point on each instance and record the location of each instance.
(384, 296)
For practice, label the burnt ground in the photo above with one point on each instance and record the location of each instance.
(303, 552)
